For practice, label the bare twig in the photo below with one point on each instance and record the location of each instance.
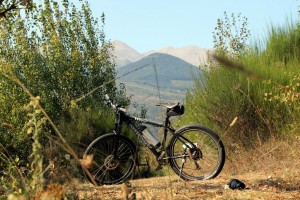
(269, 152)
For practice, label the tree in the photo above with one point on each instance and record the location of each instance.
(9, 6)
(59, 54)
(230, 35)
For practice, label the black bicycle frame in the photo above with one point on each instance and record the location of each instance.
(131, 121)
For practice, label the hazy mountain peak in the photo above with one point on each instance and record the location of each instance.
(125, 54)
(168, 68)
(193, 54)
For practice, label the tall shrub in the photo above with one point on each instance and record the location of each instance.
(227, 94)
(59, 53)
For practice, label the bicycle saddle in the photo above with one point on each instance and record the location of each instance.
(168, 105)
(173, 109)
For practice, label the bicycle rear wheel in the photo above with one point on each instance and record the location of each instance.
(196, 153)
(109, 167)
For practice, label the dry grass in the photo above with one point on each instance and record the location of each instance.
(271, 171)
(277, 157)
(260, 187)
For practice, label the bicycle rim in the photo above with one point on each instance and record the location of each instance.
(196, 153)
(108, 168)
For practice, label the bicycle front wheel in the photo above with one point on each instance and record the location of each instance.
(110, 165)
(196, 153)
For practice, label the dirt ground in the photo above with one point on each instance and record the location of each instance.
(259, 186)
(270, 171)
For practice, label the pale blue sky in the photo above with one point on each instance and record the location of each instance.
(146, 25)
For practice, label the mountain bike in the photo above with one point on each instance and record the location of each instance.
(194, 152)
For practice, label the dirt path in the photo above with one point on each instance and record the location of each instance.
(261, 186)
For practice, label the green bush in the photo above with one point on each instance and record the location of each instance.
(265, 107)
(59, 53)
(83, 126)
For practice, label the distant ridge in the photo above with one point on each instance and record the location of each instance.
(169, 68)
(176, 69)
(192, 54)
(125, 54)
(174, 75)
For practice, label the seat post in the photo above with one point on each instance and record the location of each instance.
(167, 124)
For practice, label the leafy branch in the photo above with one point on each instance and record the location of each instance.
(15, 5)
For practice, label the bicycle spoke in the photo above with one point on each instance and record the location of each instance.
(109, 166)
(202, 150)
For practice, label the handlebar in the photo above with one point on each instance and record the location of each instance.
(118, 108)
(114, 106)
(109, 102)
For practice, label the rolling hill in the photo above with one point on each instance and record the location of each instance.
(161, 75)
(191, 54)
(158, 78)
(169, 68)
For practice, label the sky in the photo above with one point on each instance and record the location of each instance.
(152, 24)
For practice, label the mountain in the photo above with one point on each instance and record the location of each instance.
(168, 69)
(125, 54)
(157, 78)
(192, 54)
(162, 75)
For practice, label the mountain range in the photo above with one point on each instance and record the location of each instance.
(192, 54)
(163, 67)
(125, 54)
(158, 76)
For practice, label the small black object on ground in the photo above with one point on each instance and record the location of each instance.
(236, 184)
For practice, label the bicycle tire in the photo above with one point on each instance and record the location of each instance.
(105, 168)
(203, 160)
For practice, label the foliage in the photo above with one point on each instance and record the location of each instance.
(7, 7)
(57, 52)
(267, 107)
(14, 174)
(34, 127)
(287, 93)
(11, 177)
(230, 35)
(84, 126)
(60, 55)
